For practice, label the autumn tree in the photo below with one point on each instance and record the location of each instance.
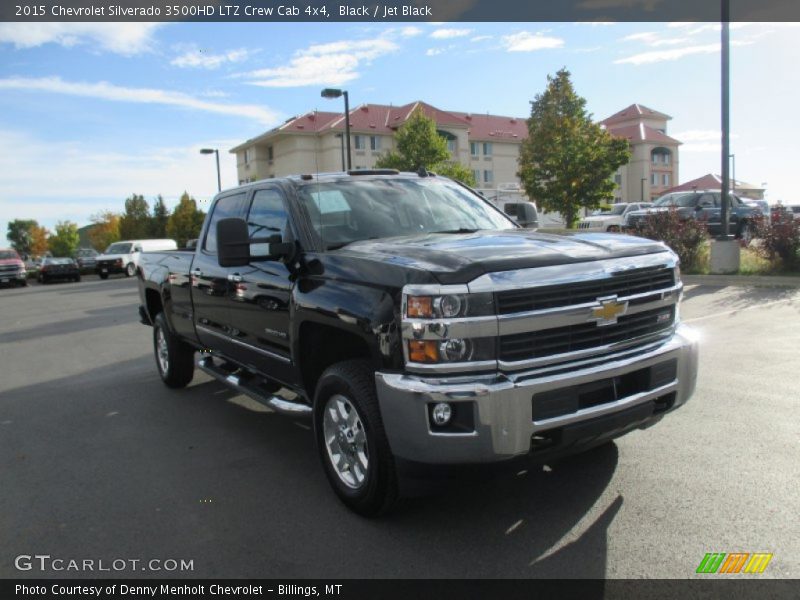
(159, 218)
(65, 240)
(420, 145)
(134, 224)
(567, 161)
(185, 221)
(105, 230)
(39, 237)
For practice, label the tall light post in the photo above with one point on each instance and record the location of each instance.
(214, 151)
(340, 137)
(726, 106)
(733, 175)
(330, 94)
(643, 181)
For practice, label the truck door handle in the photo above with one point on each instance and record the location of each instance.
(196, 273)
(234, 277)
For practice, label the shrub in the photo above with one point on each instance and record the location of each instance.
(686, 237)
(779, 240)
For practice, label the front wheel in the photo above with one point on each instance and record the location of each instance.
(351, 441)
(130, 270)
(174, 358)
(613, 229)
(103, 275)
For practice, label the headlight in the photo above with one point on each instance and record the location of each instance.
(449, 306)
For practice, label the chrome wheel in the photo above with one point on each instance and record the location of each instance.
(162, 352)
(130, 270)
(346, 441)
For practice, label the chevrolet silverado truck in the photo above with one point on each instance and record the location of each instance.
(418, 326)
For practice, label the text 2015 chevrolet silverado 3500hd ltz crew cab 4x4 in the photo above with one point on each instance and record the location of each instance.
(417, 325)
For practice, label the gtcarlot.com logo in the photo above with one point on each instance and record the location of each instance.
(45, 563)
(734, 562)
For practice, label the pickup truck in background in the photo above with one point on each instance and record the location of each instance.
(417, 325)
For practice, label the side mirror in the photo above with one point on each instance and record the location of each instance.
(233, 243)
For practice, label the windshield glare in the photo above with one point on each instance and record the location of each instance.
(682, 200)
(350, 211)
(7, 254)
(118, 248)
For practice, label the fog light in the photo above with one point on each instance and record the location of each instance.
(442, 414)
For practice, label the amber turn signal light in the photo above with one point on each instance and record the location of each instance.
(423, 351)
(420, 307)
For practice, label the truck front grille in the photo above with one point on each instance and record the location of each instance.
(562, 340)
(626, 283)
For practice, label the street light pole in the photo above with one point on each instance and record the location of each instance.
(341, 144)
(733, 175)
(216, 152)
(643, 180)
(726, 101)
(330, 93)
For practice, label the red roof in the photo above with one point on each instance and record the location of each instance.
(709, 182)
(493, 127)
(634, 111)
(642, 133)
(311, 122)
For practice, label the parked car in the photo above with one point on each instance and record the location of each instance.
(12, 269)
(123, 257)
(87, 258)
(795, 208)
(416, 324)
(611, 220)
(53, 268)
(516, 206)
(703, 206)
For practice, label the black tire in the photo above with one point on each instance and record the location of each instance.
(176, 365)
(613, 229)
(130, 270)
(24, 283)
(355, 381)
(77, 279)
(103, 275)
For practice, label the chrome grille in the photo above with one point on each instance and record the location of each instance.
(626, 283)
(562, 340)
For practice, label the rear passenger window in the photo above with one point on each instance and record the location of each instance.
(230, 206)
(267, 214)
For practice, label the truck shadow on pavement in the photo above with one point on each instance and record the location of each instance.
(111, 463)
(96, 318)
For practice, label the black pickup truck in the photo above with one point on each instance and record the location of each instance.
(417, 325)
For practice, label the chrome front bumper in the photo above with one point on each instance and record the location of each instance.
(502, 406)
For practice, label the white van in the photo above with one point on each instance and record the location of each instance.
(123, 257)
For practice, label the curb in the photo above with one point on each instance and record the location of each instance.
(742, 280)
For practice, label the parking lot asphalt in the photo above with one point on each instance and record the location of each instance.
(100, 461)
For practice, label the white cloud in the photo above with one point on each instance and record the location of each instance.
(434, 51)
(525, 41)
(410, 31)
(446, 34)
(121, 38)
(646, 58)
(334, 63)
(701, 140)
(481, 38)
(108, 91)
(102, 179)
(197, 58)
(653, 39)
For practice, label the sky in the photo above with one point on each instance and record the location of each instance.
(91, 113)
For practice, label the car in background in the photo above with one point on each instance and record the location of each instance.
(12, 269)
(123, 257)
(63, 268)
(794, 209)
(611, 220)
(515, 205)
(705, 206)
(86, 258)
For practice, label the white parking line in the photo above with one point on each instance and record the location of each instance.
(787, 301)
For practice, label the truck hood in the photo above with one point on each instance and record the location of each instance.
(460, 258)
(11, 261)
(110, 256)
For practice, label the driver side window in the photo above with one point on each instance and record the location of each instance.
(267, 214)
(706, 201)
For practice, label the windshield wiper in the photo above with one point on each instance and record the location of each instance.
(460, 230)
(260, 227)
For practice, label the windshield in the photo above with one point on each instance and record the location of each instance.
(6, 254)
(342, 212)
(57, 261)
(617, 209)
(118, 248)
(676, 200)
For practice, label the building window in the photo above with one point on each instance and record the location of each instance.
(270, 153)
(618, 179)
(451, 146)
(665, 179)
(249, 155)
(488, 176)
(374, 142)
(661, 156)
(654, 179)
(487, 148)
(473, 149)
(476, 174)
(359, 142)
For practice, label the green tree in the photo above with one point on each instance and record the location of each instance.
(105, 230)
(20, 234)
(185, 221)
(419, 145)
(159, 218)
(567, 160)
(134, 224)
(65, 241)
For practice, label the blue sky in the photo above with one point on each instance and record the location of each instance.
(91, 113)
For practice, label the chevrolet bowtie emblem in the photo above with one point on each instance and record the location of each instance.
(608, 311)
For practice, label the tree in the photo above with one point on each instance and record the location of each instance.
(65, 241)
(185, 221)
(20, 234)
(158, 221)
(134, 224)
(567, 160)
(105, 230)
(419, 145)
(39, 237)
